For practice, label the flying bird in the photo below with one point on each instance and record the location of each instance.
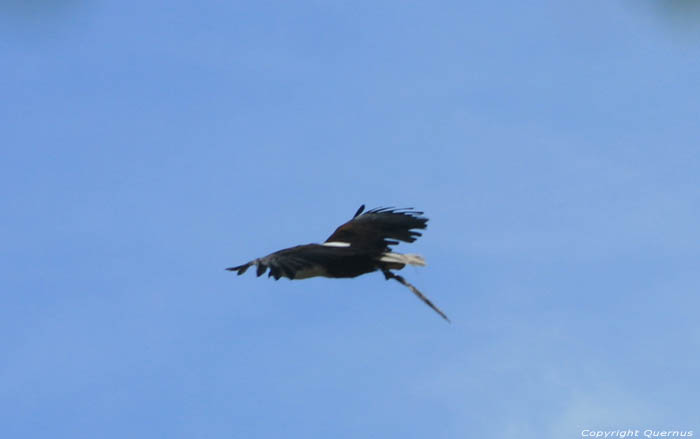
(360, 246)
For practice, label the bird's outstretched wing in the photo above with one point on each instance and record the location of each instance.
(379, 228)
(304, 261)
(285, 262)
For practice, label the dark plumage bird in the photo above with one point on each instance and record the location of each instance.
(361, 245)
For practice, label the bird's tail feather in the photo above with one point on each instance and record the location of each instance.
(401, 258)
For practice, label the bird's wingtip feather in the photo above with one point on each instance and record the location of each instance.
(359, 211)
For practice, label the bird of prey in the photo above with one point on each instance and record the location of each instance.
(361, 245)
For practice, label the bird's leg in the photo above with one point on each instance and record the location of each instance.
(389, 275)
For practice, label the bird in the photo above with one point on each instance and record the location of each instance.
(360, 246)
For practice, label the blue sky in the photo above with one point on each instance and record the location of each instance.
(554, 148)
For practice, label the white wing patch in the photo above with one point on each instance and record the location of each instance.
(336, 244)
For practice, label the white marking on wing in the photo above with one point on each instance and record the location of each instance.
(336, 244)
